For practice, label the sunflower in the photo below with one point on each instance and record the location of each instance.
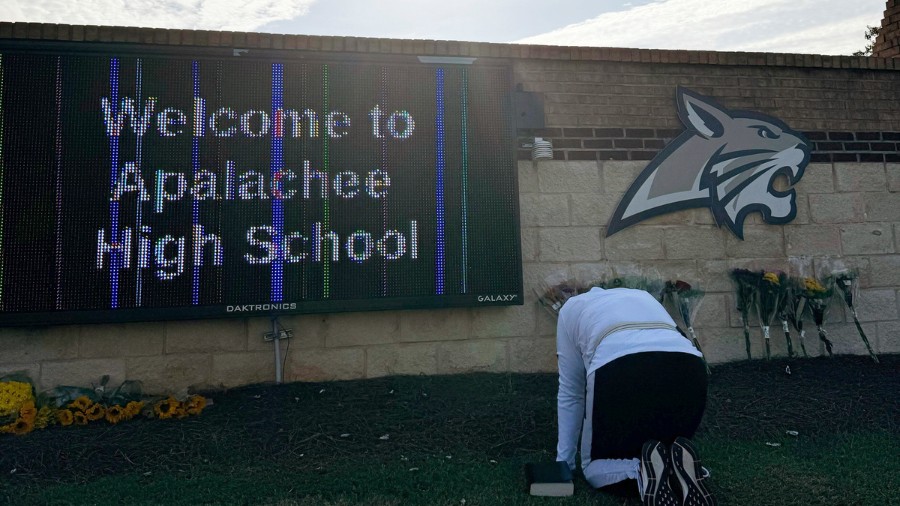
(80, 418)
(195, 404)
(81, 404)
(28, 411)
(95, 412)
(772, 277)
(166, 408)
(115, 414)
(65, 417)
(22, 427)
(133, 408)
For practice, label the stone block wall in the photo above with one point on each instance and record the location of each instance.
(608, 112)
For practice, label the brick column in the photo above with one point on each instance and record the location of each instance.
(887, 44)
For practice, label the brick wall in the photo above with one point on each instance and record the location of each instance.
(608, 111)
(887, 44)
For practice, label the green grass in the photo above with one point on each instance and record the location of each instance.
(457, 440)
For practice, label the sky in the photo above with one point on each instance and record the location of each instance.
(830, 27)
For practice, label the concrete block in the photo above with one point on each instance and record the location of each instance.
(882, 206)
(122, 340)
(812, 240)
(694, 242)
(867, 239)
(36, 344)
(434, 325)
(712, 313)
(838, 207)
(543, 210)
(893, 176)
(618, 176)
(817, 178)
(206, 336)
(530, 241)
(888, 337)
(590, 209)
(169, 373)
(234, 369)
(532, 355)
(326, 365)
(569, 177)
(860, 177)
(572, 244)
(528, 177)
(308, 331)
(763, 241)
(82, 373)
(635, 243)
(712, 276)
(537, 274)
(879, 304)
(505, 321)
(401, 359)
(356, 329)
(884, 270)
(472, 356)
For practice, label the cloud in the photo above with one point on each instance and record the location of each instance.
(788, 26)
(236, 15)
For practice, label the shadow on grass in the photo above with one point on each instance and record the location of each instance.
(442, 439)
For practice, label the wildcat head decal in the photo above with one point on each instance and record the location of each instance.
(725, 160)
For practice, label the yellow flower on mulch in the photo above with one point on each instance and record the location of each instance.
(95, 412)
(133, 408)
(81, 404)
(195, 404)
(65, 417)
(115, 414)
(80, 418)
(166, 408)
(22, 427)
(28, 411)
(12, 395)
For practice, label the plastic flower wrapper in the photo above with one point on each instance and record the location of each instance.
(818, 297)
(552, 297)
(794, 307)
(847, 283)
(746, 284)
(686, 300)
(768, 301)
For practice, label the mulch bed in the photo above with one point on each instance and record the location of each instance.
(309, 426)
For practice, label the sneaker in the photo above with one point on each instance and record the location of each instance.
(689, 473)
(654, 476)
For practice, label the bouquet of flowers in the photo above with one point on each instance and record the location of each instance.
(646, 280)
(817, 298)
(745, 287)
(686, 300)
(794, 307)
(847, 283)
(770, 292)
(552, 297)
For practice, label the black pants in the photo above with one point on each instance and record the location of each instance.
(651, 395)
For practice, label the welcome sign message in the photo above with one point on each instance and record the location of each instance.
(177, 187)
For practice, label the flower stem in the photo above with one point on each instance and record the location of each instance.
(787, 337)
(746, 332)
(824, 339)
(766, 338)
(862, 334)
(697, 345)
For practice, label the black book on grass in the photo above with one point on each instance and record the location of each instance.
(550, 479)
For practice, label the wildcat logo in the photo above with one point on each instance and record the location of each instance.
(726, 161)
